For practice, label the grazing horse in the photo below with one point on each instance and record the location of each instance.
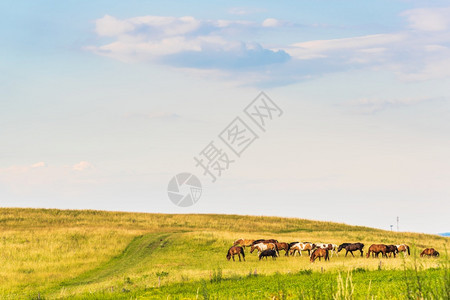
(403, 248)
(283, 246)
(262, 246)
(267, 253)
(391, 249)
(429, 252)
(299, 247)
(243, 242)
(319, 253)
(264, 241)
(350, 247)
(376, 249)
(235, 250)
(330, 247)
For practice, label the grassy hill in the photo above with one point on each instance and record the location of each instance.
(51, 253)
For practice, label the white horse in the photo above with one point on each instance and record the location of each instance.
(330, 247)
(262, 246)
(299, 247)
(403, 248)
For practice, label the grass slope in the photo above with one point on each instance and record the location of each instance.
(98, 254)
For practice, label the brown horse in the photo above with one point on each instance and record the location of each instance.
(376, 249)
(235, 250)
(391, 249)
(283, 246)
(243, 242)
(429, 252)
(319, 253)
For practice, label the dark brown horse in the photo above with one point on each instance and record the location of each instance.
(350, 247)
(376, 249)
(319, 253)
(391, 249)
(267, 253)
(429, 252)
(283, 246)
(235, 250)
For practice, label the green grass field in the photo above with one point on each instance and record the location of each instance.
(50, 254)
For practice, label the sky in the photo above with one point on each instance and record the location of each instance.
(103, 102)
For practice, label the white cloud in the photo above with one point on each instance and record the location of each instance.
(428, 19)
(39, 165)
(193, 44)
(110, 26)
(82, 165)
(323, 48)
(184, 42)
(271, 22)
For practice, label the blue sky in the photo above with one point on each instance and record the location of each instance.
(101, 103)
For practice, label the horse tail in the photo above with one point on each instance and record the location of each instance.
(242, 252)
(407, 248)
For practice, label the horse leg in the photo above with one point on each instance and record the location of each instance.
(361, 252)
(233, 257)
(351, 252)
(239, 255)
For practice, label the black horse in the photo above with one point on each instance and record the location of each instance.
(267, 253)
(350, 247)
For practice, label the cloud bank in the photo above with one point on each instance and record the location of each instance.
(420, 50)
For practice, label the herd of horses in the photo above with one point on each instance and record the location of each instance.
(271, 248)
